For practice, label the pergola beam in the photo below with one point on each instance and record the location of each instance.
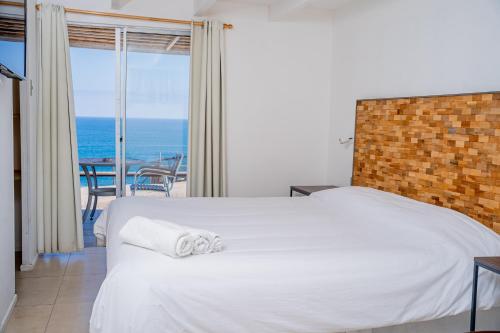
(172, 43)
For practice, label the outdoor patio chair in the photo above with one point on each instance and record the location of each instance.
(162, 175)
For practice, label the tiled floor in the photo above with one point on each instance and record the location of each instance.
(57, 296)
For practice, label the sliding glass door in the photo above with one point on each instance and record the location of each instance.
(155, 113)
(95, 122)
(131, 99)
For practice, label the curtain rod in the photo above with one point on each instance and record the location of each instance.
(117, 15)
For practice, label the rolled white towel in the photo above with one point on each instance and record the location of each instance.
(205, 241)
(164, 237)
(217, 244)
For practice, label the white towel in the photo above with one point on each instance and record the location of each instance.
(205, 241)
(164, 237)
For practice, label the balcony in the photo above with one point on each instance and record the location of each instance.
(178, 191)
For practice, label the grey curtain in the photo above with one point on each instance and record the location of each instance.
(207, 112)
(59, 219)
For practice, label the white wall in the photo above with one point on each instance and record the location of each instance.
(278, 93)
(6, 200)
(292, 86)
(389, 48)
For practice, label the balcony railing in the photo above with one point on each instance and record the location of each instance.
(181, 175)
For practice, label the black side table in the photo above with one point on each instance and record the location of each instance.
(489, 263)
(307, 190)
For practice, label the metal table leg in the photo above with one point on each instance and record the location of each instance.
(474, 297)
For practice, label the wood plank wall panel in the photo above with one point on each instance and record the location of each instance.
(443, 150)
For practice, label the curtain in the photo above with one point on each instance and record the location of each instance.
(207, 112)
(59, 220)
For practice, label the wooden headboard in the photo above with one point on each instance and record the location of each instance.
(443, 150)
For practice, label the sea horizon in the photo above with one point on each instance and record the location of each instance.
(148, 139)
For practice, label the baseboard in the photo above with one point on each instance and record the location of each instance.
(6, 317)
(29, 267)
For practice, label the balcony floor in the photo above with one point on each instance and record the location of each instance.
(179, 191)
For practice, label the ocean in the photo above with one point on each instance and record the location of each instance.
(147, 140)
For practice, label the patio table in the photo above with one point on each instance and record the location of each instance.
(88, 166)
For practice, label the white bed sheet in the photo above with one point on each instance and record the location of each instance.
(344, 259)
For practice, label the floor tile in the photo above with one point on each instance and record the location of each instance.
(47, 265)
(57, 296)
(70, 318)
(79, 288)
(29, 319)
(90, 261)
(37, 291)
(90, 251)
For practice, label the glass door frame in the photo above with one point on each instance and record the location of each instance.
(118, 112)
(121, 52)
(121, 111)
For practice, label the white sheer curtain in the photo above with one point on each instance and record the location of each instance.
(59, 219)
(207, 112)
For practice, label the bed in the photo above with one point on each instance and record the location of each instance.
(306, 264)
(393, 254)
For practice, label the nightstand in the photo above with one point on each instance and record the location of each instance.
(307, 190)
(490, 263)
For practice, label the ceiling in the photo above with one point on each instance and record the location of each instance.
(319, 4)
(328, 4)
(278, 9)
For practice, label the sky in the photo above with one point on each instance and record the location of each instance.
(12, 56)
(157, 84)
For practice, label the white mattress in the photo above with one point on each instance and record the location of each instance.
(344, 259)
